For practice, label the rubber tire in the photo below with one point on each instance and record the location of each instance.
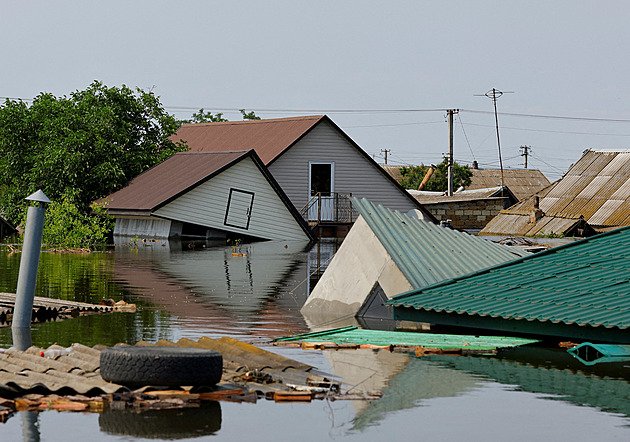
(161, 366)
(179, 423)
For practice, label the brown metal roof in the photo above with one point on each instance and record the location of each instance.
(522, 182)
(269, 138)
(169, 179)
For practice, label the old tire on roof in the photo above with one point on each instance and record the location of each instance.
(161, 366)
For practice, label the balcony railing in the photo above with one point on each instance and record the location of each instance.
(329, 207)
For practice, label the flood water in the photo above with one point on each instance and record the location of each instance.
(538, 393)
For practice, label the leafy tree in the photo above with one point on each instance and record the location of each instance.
(249, 115)
(413, 176)
(80, 147)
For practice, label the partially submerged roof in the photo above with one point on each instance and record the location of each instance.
(183, 173)
(522, 182)
(169, 179)
(596, 188)
(269, 138)
(560, 292)
(426, 253)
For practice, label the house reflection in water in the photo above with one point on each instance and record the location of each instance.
(216, 288)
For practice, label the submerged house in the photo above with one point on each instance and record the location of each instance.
(468, 210)
(578, 291)
(387, 253)
(207, 194)
(315, 163)
(594, 195)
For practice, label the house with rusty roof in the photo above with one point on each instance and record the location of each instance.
(317, 165)
(207, 194)
(580, 290)
(594, 195)
(387, 253)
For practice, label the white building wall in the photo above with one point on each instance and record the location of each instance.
(360, 262)
(146, 227)
(352, 172)
(206, 205)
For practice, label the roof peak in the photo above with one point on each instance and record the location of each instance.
(262, 121)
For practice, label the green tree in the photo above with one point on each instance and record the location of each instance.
(80, 147)
(249, 115)
(208, 117)
(412, 176)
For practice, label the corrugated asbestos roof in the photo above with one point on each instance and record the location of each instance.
(596, 187)
(426, 253)
(583, 283)
(522, 182)
(269, 138)
(169, 179)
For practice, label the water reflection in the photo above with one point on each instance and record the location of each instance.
(181, 423)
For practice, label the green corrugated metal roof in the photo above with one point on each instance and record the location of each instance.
(354, 335)
(427, 254)
(582, 283)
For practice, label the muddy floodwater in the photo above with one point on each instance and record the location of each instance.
(191, 291)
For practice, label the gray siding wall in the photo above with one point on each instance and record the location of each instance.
(353, 173)
(206, 205)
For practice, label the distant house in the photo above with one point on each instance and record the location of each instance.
(577, 291)
(311, 158)
(468, 210)
(594, 194)
(206, 194)
(387, 253)
(522, 182)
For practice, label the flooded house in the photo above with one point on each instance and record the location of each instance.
(576, 291)
(468, 210)
(593, 196)
(206, 195)
(387, 253)
(316, 164)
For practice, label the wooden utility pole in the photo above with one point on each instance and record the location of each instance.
(449, 114)
(386, 151)
(525, 150)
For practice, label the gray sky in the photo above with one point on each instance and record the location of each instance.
(284, 58)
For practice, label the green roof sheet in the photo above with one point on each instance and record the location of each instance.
(582, 283)
(427, 254)
(354, 335)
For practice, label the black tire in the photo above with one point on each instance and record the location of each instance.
(161, 366)
(180, 423)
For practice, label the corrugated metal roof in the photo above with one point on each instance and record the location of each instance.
(169, 179)
(522, 182)
(426, 253)
(354, 335)
(583, 283)
(269, 138)
(427, 197)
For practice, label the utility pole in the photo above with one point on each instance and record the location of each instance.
(449, 114)
(386, 151)
(525, 150)
(494, 94)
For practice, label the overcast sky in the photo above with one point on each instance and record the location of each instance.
(385, 72)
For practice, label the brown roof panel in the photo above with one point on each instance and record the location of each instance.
(169, 179)
(269, 138)
(522, 182)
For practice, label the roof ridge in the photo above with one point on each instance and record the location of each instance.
(261, 121)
